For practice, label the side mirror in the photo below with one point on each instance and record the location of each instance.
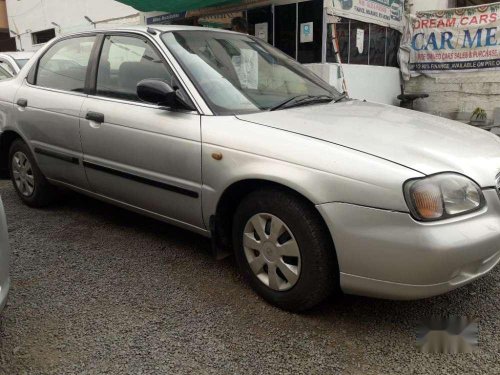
(157, 92)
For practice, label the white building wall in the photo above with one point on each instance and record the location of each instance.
(378, 84)
(28, 16)
(454, 96)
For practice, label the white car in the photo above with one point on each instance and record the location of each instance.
(14, 61)
(4, 259)
(4, 74)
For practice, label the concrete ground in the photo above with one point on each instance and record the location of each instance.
(99, 290)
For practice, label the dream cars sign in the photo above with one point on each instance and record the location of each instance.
(462, 39)
(381, 12)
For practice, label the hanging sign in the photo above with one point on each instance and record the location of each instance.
(462, 39)
(381, 12)
(165, 19)
(306, 32)
(261, 31)
(360, 40)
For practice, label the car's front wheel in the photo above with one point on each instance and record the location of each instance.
(284, 249)
(29, 182)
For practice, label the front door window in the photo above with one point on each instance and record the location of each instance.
(125, 61)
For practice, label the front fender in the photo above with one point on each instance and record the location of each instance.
(321, 171)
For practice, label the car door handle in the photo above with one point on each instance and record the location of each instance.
(22, 102)
(95, 116)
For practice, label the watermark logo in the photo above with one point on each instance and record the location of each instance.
(448, 335)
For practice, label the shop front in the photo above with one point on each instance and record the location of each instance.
(355, 39)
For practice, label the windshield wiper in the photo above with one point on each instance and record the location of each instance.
(341, 97)
(302, 100)
(288, 101)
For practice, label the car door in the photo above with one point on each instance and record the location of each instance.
(139, 154)
(48, 106)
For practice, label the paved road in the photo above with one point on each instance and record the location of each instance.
(99, 290)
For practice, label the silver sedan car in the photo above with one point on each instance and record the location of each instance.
(4, 259)
(222, 134)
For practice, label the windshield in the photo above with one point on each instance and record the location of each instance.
(21, 62)
(239, 74)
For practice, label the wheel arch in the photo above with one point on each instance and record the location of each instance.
(221, 222)
(7, 137)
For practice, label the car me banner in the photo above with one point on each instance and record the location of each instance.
(455, 40)
(381, 12)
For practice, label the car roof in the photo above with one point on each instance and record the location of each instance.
(167, 28)
(18, 55)
(144, 29)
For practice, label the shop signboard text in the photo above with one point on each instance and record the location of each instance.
(459, 39)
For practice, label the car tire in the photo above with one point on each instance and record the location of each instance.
(294, 282)
(29, 182)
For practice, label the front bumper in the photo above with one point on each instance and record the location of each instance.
(388, 254)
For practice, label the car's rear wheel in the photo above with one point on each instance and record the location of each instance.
(30, 184)
(284, 249)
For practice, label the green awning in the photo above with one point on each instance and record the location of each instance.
(173, 6)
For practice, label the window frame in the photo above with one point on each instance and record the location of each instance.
(35, 34)
(351, 38)
(96, 57)
(91, 74)
(11, 69)
(9, 74)
(32, 76)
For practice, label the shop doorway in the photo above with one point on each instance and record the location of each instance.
(285, 23)
(260, 23)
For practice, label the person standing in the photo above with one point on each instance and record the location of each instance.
(240, 25)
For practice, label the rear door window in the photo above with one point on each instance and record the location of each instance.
(64, 65)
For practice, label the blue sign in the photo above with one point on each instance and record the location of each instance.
(306, 32)
(165, 19)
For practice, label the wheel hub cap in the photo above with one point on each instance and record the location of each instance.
(22, 173)
(271, 251)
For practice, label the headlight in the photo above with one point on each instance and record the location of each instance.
(442, 196)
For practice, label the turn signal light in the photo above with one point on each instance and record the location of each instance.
(442, 196)
(428, 201)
